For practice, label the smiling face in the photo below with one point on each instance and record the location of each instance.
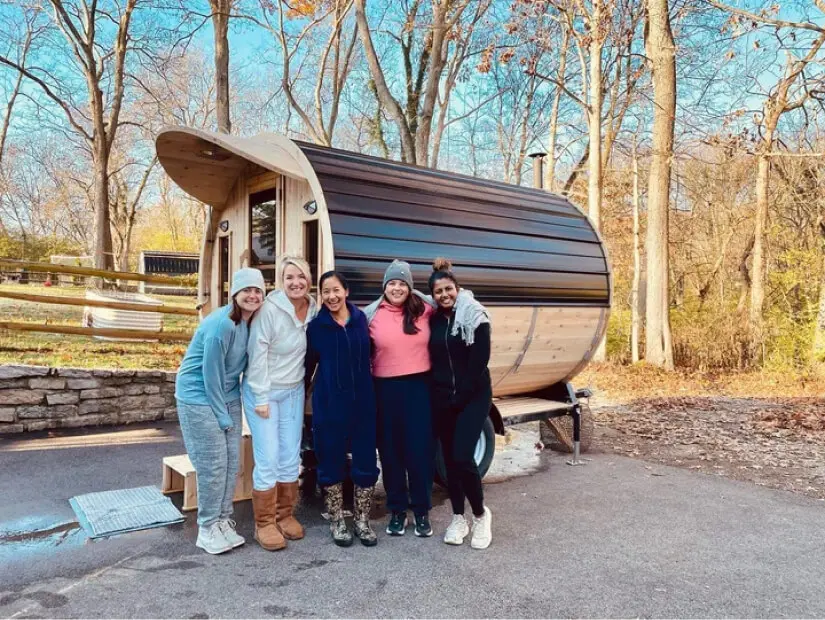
(249, 299)
(295, 282)
(333, 294)
(445, 292)
(397, 292)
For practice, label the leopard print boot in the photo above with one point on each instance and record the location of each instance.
(335, 508)
(363, 506)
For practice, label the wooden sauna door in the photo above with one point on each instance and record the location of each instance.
(266, 215)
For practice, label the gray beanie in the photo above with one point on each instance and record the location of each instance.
(398, 270)
(245, 278)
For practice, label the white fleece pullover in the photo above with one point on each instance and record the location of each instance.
(277, 346)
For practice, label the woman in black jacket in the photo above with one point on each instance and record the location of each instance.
(462, 396)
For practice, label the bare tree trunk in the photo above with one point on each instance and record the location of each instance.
(126, 247)
(704, 290)
(660, 49)
(635, 321)
(220, 26)
(23, 54)
(438, 60)
(382, 91)
(550, 172)
(744, 276)
(594, 117)
(104, 257)
(524, 131)
(760, 221)
(7, 117)
(460, 54)
(576, 171)
(818, 348)
(377, 127)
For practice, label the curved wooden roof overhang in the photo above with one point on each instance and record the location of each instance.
(207, 165)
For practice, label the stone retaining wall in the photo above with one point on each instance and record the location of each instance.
(34, 398)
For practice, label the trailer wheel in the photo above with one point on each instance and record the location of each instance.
(557, 433)
(484, 452)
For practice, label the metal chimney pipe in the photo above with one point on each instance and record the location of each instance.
(538, 169)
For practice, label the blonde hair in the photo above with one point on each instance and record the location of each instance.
(300, 264)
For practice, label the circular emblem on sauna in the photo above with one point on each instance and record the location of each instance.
(311, 207)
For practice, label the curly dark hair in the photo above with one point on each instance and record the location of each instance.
(442, 268)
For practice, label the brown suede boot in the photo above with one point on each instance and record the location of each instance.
(266, 530)
(287, 498)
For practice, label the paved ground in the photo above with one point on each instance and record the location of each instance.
(619, 537)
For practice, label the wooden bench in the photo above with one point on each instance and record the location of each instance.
(179, 475)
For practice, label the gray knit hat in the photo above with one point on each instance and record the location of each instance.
(245, 278)
(398, 270)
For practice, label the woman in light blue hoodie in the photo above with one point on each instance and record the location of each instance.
(208, 396)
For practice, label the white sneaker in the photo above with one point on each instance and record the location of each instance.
(457, 530)
(482, 530)
(227, 528)
(211, 540)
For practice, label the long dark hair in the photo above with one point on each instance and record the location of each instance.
(413, 308)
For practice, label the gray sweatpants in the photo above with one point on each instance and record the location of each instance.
(215, 455)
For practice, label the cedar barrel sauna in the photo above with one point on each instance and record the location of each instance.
(530, 256)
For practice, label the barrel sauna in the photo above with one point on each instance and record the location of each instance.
(531, 257)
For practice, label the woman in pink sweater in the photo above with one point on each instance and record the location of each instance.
(400, 333)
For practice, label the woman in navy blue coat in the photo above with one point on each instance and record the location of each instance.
(343, 407)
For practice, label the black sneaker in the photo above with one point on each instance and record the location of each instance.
(422, 526)
(398, 524)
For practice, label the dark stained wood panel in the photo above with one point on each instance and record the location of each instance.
(369, 270)
(349, 246)
(406, 199)
(363, 168)
(429, 233)
(511, 245)
(465, 220)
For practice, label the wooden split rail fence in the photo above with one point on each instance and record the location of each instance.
(81, 301)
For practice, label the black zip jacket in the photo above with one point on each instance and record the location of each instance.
(459, 372)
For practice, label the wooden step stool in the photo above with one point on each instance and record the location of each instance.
(179, 474)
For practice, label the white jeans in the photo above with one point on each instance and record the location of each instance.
(276, 440)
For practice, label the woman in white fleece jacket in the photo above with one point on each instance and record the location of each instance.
(274, 402)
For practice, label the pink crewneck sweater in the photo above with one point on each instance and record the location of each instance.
(395, 353)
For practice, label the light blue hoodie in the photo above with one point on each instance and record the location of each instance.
(210, 371)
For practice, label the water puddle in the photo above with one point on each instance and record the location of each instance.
(34, 535)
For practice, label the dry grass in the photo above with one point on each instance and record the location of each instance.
(615, 383)
(44, 349)
(767, 428)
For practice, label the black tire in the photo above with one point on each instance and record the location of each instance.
(485, 450)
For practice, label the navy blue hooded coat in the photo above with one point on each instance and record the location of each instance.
(343, 399)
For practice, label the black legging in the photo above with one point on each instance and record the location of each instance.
(459, 432)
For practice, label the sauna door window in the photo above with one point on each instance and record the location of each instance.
(263, 213)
